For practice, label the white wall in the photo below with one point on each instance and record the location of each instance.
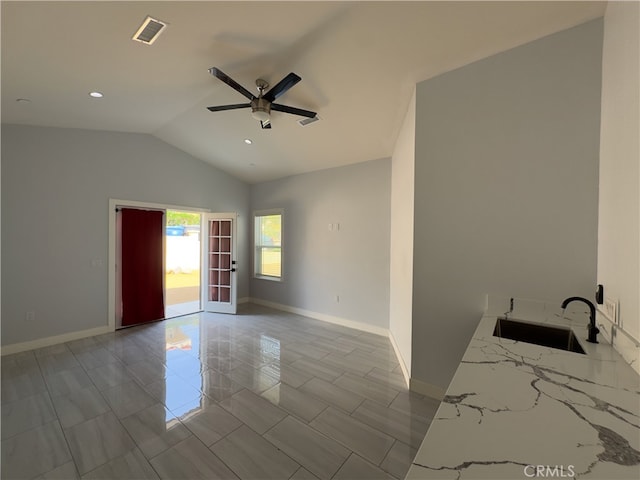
(506, 196)
(319, 264)
(56, 185)
(619, 214)
(401, 255)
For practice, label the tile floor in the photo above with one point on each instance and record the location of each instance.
(179, 309)
(260, 395)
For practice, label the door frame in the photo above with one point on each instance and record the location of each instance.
(111, 263)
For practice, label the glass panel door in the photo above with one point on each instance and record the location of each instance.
(219, 274)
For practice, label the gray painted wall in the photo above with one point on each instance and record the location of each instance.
(619, 226)
(506, 182)
(56, 185)
(319, 264)
(401, 254)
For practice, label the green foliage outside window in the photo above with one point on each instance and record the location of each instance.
(182, 218)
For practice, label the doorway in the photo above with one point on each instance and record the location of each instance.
(192, 284)
(182, 263)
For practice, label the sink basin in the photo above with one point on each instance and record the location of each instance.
(547, 336)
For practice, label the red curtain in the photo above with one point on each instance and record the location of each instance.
(142, 266)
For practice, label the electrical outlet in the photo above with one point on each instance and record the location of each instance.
(611, 309)
(337, 298)
(30, 316)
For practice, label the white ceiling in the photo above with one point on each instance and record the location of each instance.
(359, 63)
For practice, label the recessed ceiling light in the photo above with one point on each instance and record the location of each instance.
(96, 94)
(248, 141)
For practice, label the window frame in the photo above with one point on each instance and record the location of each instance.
(256, 215)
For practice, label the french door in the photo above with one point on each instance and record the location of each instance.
(219, 263)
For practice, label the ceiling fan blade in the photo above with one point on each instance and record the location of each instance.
(231, 82)
(220, 108)
(282, 86)
(266, 124)
(293, 110)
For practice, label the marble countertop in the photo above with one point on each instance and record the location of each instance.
(516, 410)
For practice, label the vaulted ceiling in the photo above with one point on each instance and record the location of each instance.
(359, 63)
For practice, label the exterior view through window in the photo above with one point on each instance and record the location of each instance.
(268, 245)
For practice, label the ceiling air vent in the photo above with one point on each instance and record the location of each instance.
(306, 121)
(149, 31)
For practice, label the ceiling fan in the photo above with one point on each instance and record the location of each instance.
(261, 105)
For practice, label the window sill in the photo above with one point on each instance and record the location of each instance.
(269, 279)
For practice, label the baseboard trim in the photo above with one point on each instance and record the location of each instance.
(323, 317)
(427, 389)
(48, 341)
(403, 365)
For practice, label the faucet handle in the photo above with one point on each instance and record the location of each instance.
(510, 311)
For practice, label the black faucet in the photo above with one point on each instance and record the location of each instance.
(593, 330)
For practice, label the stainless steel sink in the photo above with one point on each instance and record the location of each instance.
(547, 336)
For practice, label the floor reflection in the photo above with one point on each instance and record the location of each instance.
(183, 345)
(201, 360)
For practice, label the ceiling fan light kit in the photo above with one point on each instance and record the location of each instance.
(261, 105)
(260, 108)
(260, 114)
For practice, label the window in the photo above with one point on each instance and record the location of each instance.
(268, 244)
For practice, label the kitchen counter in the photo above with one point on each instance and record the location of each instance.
(516, 410)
